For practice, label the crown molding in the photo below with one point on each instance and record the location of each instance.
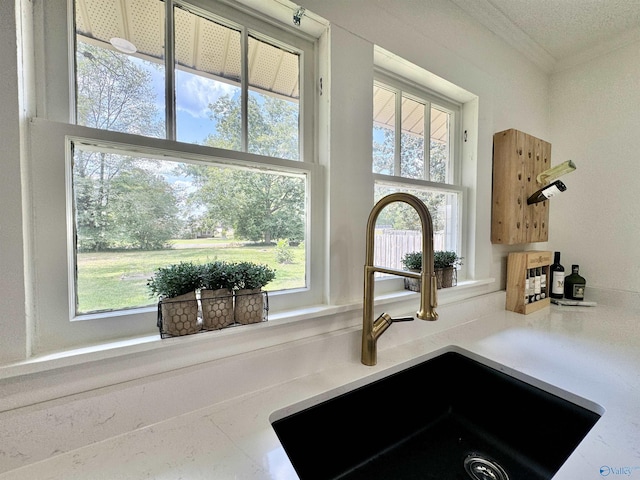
(498, 23)
(598, 50)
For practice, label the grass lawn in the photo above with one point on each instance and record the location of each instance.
(118, 280)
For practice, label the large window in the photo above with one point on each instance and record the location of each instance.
(193, 142)
(414, 150)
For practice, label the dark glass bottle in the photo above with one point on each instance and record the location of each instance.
(574, 284)
(532, 285)
(557, 277)
(547, 192)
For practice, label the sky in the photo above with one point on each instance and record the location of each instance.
(194, 94)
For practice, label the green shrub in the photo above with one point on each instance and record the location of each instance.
(445, 259)
(217, 275)
(283, 252)
(441, 259)
(175, 280)
(412, 261)
(249, 275)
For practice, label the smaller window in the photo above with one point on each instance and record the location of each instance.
(400, 121)
(228, 86)
(414, 152)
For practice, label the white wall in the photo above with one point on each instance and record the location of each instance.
(439, 37)
(595, 121)
(436, 35)
(12, 268)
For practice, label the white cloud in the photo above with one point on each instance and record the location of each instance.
(194, 93)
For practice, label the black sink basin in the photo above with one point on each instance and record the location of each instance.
(450, 417)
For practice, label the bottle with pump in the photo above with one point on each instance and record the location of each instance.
(557, 277)
(574, 284)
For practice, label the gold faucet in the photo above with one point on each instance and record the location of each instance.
(372, 330)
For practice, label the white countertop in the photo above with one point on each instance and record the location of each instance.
(592, 353)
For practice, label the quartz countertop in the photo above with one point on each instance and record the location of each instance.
(580, 353)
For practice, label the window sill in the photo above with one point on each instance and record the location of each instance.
(66, 358)
(138, 357)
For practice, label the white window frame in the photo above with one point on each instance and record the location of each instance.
(56, 326)
(428, 97)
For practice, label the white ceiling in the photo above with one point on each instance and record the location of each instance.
(555, 33)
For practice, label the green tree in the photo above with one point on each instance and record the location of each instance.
(259, 206)
(400, 216)
(143, 210)
(93, 174)
(113, 93)
(412, 154)
(272, 125)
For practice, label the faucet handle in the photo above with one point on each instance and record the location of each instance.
(402, 319)
(384, 321)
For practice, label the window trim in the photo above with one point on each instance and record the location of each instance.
(421, 94)
(53, 234)
(214, 157)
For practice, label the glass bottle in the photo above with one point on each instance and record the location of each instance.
(532, 282)
(574, 284)
(547, 192)
(557, 277)
(536, 284)
(555, 172)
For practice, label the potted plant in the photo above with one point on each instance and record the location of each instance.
(249, 298)
(216, 295)
(176, 287)
(412, 261)
(444, 265)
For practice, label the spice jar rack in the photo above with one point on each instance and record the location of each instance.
(528, 281)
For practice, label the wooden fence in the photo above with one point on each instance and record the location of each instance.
(392, 245)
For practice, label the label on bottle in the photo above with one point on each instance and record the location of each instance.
(552, 191)
(578, 291)
(537, 284)
(557, 283)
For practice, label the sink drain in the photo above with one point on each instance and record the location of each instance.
(481, 468)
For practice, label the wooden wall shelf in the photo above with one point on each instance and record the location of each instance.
(518, 158)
